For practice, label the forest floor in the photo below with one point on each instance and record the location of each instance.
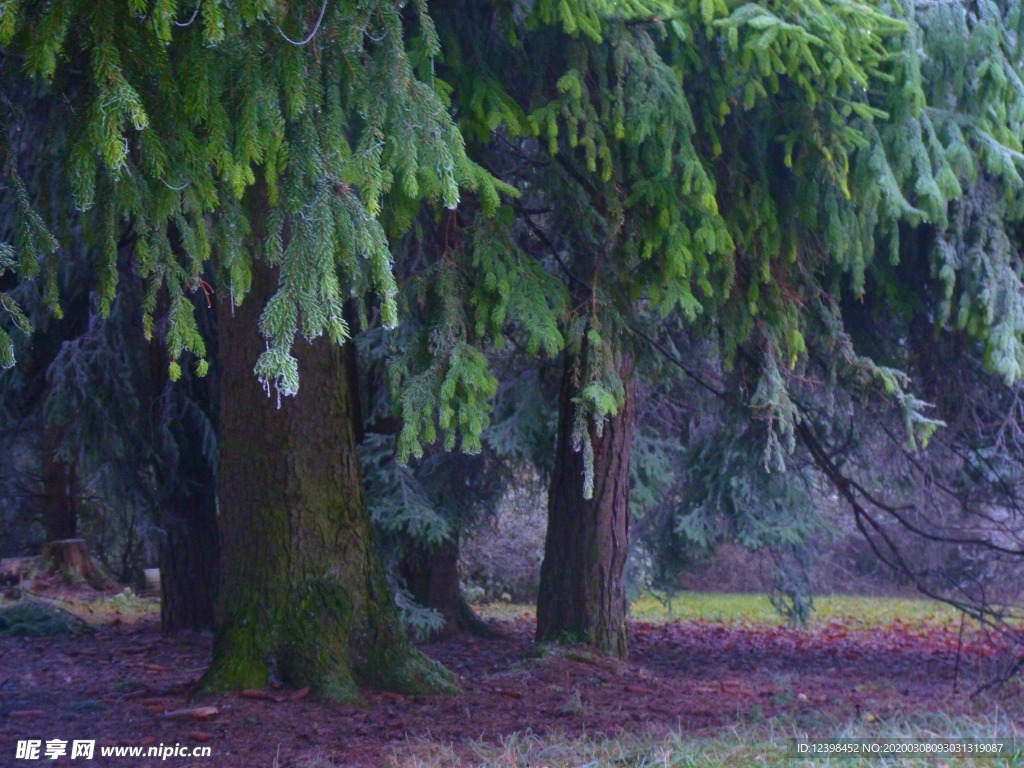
(122, 683)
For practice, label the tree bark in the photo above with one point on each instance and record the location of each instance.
(303, 595)
(189, 551)
(189, 562)
(582, 596)
(60, 514)
(432, 578)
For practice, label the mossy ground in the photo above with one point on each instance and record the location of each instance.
(80, 611)
(35, 618)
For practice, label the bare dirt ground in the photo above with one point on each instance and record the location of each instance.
(118, 685)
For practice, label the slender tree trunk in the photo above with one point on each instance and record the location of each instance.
(303, 595)
(582, 597)
(63, 554)
(189, 554)
(432, 578)
(189, 561)
(60, 514)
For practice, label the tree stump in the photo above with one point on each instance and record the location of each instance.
(70, 559)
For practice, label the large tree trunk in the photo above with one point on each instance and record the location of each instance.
(432, 578)
(303, 595)
(582, 597)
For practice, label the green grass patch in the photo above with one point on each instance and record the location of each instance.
(504, 611)
(126, 606)
(25, 616)
(768, 745)
(757, 609)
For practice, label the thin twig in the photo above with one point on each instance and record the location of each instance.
(316, 27)
(188, 23)
(959, 648)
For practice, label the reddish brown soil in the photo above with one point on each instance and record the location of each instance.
(116, 686)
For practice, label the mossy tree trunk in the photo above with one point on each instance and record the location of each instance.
(582, 596)
(432, 578)
(303, 595)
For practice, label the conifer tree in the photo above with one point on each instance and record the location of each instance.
(471, 301)
(251, 149)
(113, 430)
(927, 220)
(733, 167)
(633, 113)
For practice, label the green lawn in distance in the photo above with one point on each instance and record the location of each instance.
(756, 609)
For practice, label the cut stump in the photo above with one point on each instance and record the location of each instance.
(70, 559)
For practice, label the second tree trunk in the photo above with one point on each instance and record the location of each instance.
(432, 578)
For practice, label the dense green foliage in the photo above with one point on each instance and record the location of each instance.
(737, 161)
(706, 188)
(737, 166)
(171, 120)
